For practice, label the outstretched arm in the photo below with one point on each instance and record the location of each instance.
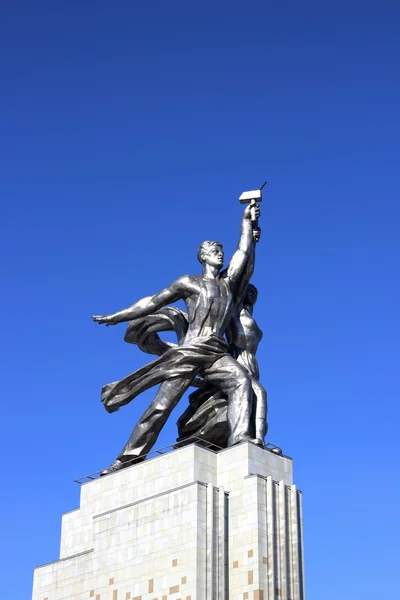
(245, 248)
(179, 289)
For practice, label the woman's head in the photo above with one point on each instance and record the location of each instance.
(251, 295)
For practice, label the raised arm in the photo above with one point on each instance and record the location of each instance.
(179, 289)
(244, 250)
(244, 280)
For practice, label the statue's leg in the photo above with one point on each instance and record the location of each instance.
(188, 422)
(260, 411)
(233, 380)
(146, 432)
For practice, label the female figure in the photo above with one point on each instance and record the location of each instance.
(244, 336)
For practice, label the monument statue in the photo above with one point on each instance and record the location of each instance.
(217, 341)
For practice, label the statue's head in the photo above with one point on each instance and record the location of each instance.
(211, 253)
(251, 295)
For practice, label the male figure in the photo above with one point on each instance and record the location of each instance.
(209, 301)
(207, 410)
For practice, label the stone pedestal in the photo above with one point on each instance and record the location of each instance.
(189, 525)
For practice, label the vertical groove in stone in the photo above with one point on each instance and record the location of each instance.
(295, 546)
(226, 542)
(210, 542)
(260, 549)
(282, 539)
(289, 544)
(270, 587)
(201, 553)
(221, 545)
(302, 587)
(215, 544)
(277, 555)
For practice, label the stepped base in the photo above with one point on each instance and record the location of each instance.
(193, 524)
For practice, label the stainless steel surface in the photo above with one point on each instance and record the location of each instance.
(219, 303)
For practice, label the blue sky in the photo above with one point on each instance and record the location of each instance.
(128, 132)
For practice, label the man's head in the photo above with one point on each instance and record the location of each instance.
(211, 253)
(251, 295)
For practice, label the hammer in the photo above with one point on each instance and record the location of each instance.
(252, 198)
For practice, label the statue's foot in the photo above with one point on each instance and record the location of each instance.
(117, 465)
(258, 442)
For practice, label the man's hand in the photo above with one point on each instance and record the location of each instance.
(103, 319)
(252, 212)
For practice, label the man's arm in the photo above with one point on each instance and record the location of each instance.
(178, 290)
(245, 248)
(244, 280)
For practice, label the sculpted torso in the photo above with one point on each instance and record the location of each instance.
(244, 332)
(209, 305)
